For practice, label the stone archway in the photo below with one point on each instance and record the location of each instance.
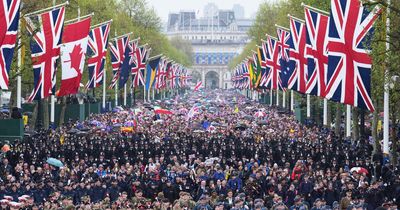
(196, 76)
(212, 80)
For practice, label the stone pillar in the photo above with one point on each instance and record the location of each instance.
(221, 73)
(203, 77)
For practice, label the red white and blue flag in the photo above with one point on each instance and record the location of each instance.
(139, 66)
(298, 76)
(192, 112)
(198, 86)
(97, 51)
(9, 19)
(45, 50)
(316, 51)
(73, 53)
(117, 48)
(272, 80)
(172, 76)
(284, 41)
(349, 69)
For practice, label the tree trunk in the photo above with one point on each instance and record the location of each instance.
(393, 136)
(338, 119)
(374, 132)
(32, 124)
(63, 109)
(329, 118)
(46, 124)
(356, 134)
(362, 123)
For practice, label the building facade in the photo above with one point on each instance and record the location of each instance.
(216, 39)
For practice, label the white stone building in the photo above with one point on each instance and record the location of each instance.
(215, 41)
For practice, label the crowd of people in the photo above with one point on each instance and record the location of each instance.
(217, 150)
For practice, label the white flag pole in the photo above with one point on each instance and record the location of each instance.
(386, 91)
(104, 88)
(270, 97)
(52, 97)
(277, 97)
(284, 99)
(325, 120)
(291, 100)
(348, 120)
(19, 69)
(125, 94)
(308, 106)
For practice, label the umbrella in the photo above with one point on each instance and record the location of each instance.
(162, 111)
(241, 127)
(117, 125)
(129, 123)
(359, 170)
(84, 129)
(94, 122)
(81, 133)
(247, 117)
(54, 162)
(260, 114)
(5, 148)
(72, 131)
(264, 122)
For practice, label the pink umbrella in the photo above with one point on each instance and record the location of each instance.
(260, 114)
(359, 170)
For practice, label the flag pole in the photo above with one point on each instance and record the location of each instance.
(270, 97)
(46, 9)
(291, 100)
(348, 120)
(284, 99)
(100, 24)
(19, 69)
(125, 98)
(277, 97)
(315, 9)
(104, 89)
(52, 96)
(325, 120)
(79, 18)
(116, 83)
(308, 106)
(386, 90)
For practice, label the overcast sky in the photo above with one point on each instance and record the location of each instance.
(164, 7)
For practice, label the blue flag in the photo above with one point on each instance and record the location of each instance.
(151, 71)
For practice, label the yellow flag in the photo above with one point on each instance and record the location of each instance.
(379, 127)
(25, 119)
(236, 109)
(62, 138)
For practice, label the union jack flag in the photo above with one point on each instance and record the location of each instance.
(263, 62)
(246, 77)
(167, 74)
(272, 80)
(316, 51)
(349, 69)
(284, 40)
(159, 83)
(45, 48)
(117, 48)
(97, 51)
(139, 66)
(9, 18)
(298, 76)
(172, 75)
